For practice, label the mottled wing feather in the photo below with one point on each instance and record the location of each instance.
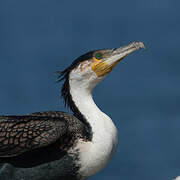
(19, 134)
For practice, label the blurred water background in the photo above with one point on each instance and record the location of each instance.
(142, 94)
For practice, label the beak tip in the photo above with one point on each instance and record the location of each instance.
(139, 45)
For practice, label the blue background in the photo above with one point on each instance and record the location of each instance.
(142, 94)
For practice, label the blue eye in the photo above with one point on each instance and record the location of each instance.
(98, 56)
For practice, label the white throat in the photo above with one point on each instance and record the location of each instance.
(97, 154)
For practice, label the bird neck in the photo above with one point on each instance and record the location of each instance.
(99, 150)
(101, 125)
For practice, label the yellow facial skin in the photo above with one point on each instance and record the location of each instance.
(102, 68)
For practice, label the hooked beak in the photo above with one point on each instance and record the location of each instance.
(104, 67)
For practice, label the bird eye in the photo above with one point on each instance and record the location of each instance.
(98, 56)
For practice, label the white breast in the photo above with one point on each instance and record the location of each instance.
(95, 155)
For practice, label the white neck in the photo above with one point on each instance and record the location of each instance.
(104, 133)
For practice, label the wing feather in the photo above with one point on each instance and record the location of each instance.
(19, 134)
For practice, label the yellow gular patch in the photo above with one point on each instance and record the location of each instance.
(102, 68)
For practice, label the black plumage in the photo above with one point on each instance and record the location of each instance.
(38, 143)
(19, 134)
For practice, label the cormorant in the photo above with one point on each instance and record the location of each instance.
(56, 145)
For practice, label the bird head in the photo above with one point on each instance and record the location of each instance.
(89, 69)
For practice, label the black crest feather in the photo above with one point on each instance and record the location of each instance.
(64, 76)
(65, 90)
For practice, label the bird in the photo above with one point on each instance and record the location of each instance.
(55, 145)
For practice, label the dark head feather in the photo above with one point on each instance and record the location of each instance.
(65, 90)
(64, 75)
